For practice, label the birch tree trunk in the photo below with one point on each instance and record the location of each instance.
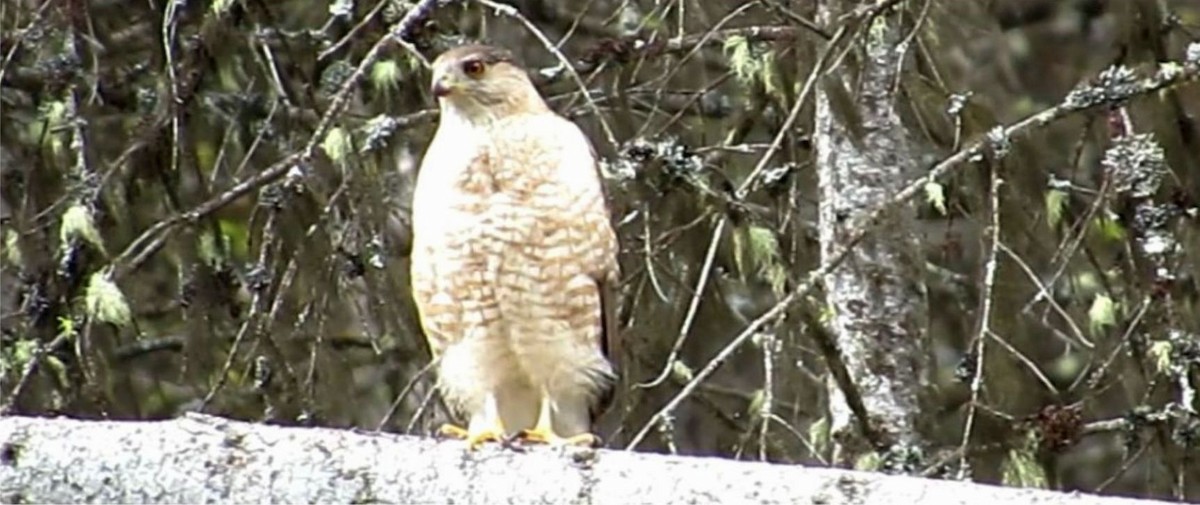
(864, 157)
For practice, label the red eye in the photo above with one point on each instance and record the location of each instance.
(472, 68)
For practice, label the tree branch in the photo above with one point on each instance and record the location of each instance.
(202, 459)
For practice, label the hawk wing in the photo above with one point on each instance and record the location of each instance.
(609, 280)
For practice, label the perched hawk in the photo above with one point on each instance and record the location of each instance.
(514, 257)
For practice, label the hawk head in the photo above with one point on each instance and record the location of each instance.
(482, 83)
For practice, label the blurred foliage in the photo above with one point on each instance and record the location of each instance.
(169, 246)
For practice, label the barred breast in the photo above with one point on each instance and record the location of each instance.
(557, 242)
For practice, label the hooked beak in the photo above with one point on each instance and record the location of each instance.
(442, 85)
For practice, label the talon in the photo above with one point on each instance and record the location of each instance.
(474, 439)
(544, 433)
(452, 431)
(513, 443)
(551, 438)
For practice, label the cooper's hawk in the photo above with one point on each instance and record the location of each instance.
(514, 257)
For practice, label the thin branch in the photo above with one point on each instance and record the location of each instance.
(336, 47)
(686, 327)
(1029, 363)
(412, 384)
(985, 314)
(1044, 292)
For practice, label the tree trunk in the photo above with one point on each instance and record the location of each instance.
(864, 158)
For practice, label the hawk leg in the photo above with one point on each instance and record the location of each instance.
(544, 433)
(485, 426)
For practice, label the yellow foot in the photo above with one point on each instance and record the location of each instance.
(544, 436)
(474, 439)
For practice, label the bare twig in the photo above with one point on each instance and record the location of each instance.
(412, 383)
(12, 51)
(1044, 292)
(256, 304)
(769, 342)
(985, 314)
(701, 283)
(39, 353)
(336, 47)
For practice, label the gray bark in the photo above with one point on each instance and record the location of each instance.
(864, 157)
(201, 459)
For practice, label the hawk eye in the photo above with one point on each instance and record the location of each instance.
(472, 68)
